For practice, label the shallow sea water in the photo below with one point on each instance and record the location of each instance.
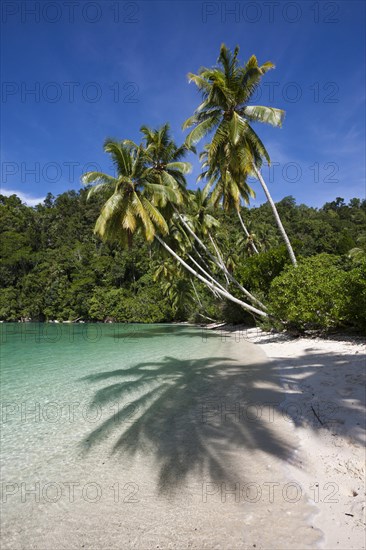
(134, 436)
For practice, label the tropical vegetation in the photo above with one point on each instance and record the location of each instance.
(53, 268)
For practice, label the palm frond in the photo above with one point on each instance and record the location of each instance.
(120, 156)
(156, 216)
(92, 177)
(260, 113)
(183, 167)
(99, 188)
(202, 129)
(162, 194)
(129, 219)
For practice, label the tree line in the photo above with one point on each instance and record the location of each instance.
(54, 268)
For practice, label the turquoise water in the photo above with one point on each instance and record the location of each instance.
(46, 355)
(53, 374)
(31, 350)
(60, 383)
(123, 436)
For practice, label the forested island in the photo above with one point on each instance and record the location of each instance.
(54, 268)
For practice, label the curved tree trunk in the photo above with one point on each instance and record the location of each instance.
(206, 274)
(219, 290)
(276, 215)
(217, 262)
(201, 305)
(219, 258)
(246, 232)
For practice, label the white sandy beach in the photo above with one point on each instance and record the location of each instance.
(326, 377)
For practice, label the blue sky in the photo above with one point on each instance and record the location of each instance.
(101, 69)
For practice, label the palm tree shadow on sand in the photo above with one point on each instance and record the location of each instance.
(190, 414)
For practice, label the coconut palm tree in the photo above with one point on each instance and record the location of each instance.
(247, 243)
(201, 212)
(165, 159)
(224, 189)
(166, 168)
(133, 196)
(198, 225)
(177, 287)
(235, 151)
(268, 237)
(140, 197)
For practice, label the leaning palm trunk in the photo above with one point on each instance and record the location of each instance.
(276, 215)
(246, 232)
(219, 257)
(201, 305)
(220, 291)
(221, 266)
(206, 274)
(219, 263)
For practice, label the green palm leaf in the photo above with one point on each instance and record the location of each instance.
(183, 167)
(92, 177)
(156, 216)
(268, 115)
(120, 155)
(150, 177)
(202, 129)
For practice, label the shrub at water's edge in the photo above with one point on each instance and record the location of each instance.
(325, 292)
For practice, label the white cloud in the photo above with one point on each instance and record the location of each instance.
(24, 197)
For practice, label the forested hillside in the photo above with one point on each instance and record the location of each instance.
(54, 268)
